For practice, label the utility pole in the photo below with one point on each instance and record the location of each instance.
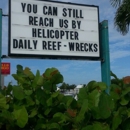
(0, 42)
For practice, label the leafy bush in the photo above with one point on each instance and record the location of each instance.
(35, 104)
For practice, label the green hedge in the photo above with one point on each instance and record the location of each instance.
(35, 104)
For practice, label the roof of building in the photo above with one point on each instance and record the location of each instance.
(79, 86)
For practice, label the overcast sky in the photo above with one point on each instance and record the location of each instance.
(77, 71)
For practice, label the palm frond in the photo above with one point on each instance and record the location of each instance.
(122, 17)
(116, 3)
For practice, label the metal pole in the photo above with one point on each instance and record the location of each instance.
(0, 42)
(105, 54)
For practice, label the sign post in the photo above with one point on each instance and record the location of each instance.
(0, 41)
(105, 58)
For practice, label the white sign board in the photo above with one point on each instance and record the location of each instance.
(48, 28)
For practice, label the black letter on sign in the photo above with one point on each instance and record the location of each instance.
(44, 45)
(73, 24)
(90, 48)
(15, 43)
(30, 20)
(49, 45)
(44, 10)
(86, 47)
(34, 9)
(41, 21)
(95, 47)
(79, 23)
(64, 12)
(76, 36)
(81, 15)
(82, 46)
(29, 8)
(34, 32)
(29, 46)
(71, 46)
(59, 45)
(77, 47)
(20, 43)
(23, 6)
(51, 22)
(35, 44)
(61, 23)
(66, 23)
(70, 10)
(54, 45)
(55, 11)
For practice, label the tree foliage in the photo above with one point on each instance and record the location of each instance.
(64, 86)
(122, 16)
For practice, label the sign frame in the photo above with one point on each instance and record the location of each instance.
(37, 56)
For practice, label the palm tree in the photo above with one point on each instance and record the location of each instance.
(122, 16)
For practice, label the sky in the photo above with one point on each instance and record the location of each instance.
(76, 71)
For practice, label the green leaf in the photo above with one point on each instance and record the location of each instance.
(113, 75)
(84, 108)
(50, 72)
(29, 101)
(125, 91)
(35, 80)
(115, 91)
(128, 112)
(42, 96)
(49, 102)
(19, 78)
(3, 104)
(124, 101)
(96, 85)
(9, 89)
(18, 93)
(53, 75)
(100, 126)
(8, 116)
(55, 94)
(97, 126)
(28, 73)
(106, 105)
(21, 116)
(19, 69)
(70, 100)
(28, 92)
(15, 76)
(57, 78)
(33, 113)
(41, 124)
(48, 85)
(53, 126)
(116, 121)
(47, 111)
(91, 85)
(82, 94)
(102, 86)
(40, 81)
(89, 127)
(93, 98)
(126, 124)
(60, 117)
